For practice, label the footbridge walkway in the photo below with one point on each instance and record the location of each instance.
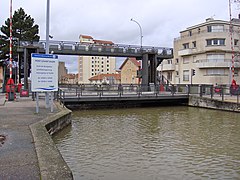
(124, 95)
(151, 56)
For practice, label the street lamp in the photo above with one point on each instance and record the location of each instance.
(141, 36)
(47, 26)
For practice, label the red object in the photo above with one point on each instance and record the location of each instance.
(10, 90)
(19, 87)
(234, 82)
(161, 87)
(24, 93)
(10, 87)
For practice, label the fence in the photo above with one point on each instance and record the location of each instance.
(223, 93)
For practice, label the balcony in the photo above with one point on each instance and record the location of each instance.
(185, 52)
(226, 63)
(168, 67)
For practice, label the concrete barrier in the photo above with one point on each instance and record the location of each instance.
(197, 101)
(51, 163)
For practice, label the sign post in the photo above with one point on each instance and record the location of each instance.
(44, 75)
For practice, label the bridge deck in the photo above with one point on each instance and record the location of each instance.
(113, 96)
(116, 50)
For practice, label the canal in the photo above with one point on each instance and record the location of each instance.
(152, 143)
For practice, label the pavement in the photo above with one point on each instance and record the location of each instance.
(18, 158)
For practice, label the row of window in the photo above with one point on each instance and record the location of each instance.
(93, 62)
(212, 28)
(209, 72)
(98, 70)
(99, 66)
(209, 42)
(97, 57)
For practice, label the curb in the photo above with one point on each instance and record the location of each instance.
(51, 163)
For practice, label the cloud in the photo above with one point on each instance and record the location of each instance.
(161, 21)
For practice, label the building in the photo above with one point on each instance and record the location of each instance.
(203, 54)
(62, 72)
(129, 71)
(69, 79)
(106, 79)
(89, 66)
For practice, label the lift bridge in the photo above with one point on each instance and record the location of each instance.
(151, 56)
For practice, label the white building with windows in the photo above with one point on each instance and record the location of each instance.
(89, 66)
(205, 49)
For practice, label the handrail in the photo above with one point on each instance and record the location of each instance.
(74, 45)
(135, 90)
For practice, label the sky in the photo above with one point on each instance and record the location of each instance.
(161, 20)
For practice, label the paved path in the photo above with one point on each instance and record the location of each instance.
(18, 159)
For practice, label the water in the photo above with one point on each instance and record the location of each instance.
(152, 143)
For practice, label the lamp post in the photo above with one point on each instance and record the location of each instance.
(141, 36)
(47, 26)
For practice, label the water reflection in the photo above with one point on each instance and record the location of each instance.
(152, 143)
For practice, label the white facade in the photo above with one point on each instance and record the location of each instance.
(206, 49)
(89, 66)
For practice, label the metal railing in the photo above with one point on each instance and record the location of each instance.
(222, 93)
(120, 48)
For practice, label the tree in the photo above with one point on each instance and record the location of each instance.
(23, 29)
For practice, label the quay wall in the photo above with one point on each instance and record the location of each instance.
(203, 102)
(51, 163)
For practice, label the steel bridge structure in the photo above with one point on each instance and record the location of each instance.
(151, 56)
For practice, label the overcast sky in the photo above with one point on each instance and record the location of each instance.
(161, 20)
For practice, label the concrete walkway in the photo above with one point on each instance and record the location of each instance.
(18, 159)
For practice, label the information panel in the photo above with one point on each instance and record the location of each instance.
(44, 74)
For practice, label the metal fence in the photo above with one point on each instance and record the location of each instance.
(222, 93)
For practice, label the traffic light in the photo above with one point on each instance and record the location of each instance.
(193, 72)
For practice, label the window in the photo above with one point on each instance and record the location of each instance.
(169, 61)
(186, 60)
(169, 76)
(177, 61)
(190, 33)
(235, 72)
(215, 28)
(215, 57)
(199, 30)
(194, 44)
(194, 58)
(215, 72)
(177, 73)
(186, 46)
(185, 75)
(235, 42)
(215, 42)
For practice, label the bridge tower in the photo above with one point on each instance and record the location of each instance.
(150, 62)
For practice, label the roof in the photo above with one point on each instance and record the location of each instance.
(86, 36)
(133, 60)
(96, 41)
(70, 76)
(102, 76)
(102, 42)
